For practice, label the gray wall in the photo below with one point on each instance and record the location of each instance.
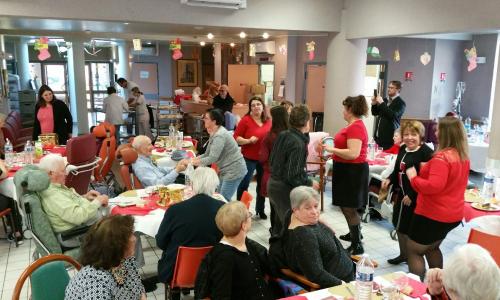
(416, 93)
(448, 59)
(477, 95)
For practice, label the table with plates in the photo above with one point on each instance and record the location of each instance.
(409, 284)
(478, 152)
(474, 205)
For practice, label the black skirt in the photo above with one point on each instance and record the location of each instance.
(402, 215)
(426, 231)
(349, 184)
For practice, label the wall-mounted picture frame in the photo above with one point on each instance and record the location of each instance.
(187, 72)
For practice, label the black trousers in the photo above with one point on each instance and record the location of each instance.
(6, 202)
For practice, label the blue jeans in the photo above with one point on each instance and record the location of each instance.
(227, 188)
(253, 165)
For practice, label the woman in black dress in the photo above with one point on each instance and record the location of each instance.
(412, 154)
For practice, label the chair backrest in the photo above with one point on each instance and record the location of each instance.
(312, 156)
(246, 198)
(187, 264)
(80, 151)
(48, 276)
(106, 132)
(127, 155)
(229, 120)
(488, 241)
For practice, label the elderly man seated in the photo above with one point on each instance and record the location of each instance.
(149, 174)
(65, 208)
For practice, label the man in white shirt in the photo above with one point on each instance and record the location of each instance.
(128, 85)
(114, 106)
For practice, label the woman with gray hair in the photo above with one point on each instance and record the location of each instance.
(470, 273)
(310, 247)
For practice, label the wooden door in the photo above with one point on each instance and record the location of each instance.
(146, 76)
(315, 87)
(240, 78)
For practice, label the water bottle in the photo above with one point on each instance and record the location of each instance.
(364, 278)
(371, 150)
(488, 186)
(38, 149)
(29, 152)
(9, 153)
(171, 134)
(180, 139)
(468, 124)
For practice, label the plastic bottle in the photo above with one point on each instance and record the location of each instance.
(9, 153)
(171, 134)
(371, 149)
(180, 139)
(488, 186)
(38, 149)
(29, 153)
(468, 124)
(364, 278)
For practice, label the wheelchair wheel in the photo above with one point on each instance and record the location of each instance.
(393, 235)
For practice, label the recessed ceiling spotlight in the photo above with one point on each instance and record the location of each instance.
(232, 44)
(202, 43)
(126, 23)
(149, 43)
(243, 35)
(210, 36)
(265, 35)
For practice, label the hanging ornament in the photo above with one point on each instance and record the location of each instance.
(94, 51)
(471, 55)
(175, 47)
(42, 46)
(425, 58)
(310, 49)
(282, 49)
(373, 51)
(396, 56)
(251, 50)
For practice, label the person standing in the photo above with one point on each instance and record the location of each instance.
(128, 85)
(114, 106)
(388, 112)
(52, 116)
(249, 134)
(141, 113)
(223, 100)
(350, 169)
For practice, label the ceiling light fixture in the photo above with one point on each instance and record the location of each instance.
(149, 43)
(126, 23)
(232, 45)
(210, 36)
(243, 35)
(202, 43)
(265, 35)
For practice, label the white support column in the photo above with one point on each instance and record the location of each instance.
(291, 71)
(77, 89)
(493, 160)
(123, 63)
(217, 62)
(345, 74)
(23, 62)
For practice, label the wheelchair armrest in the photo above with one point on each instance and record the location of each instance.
(79, 230)
(300, 279)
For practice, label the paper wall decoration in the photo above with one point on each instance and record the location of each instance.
(373, 52)
(471, 55)
(282, 49)
(425, 58)
(175, 47)
(310, 49)
(251, 50)
(42, 46)
(137, 44)
(396, 56)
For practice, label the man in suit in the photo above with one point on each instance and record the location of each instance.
(388, 111)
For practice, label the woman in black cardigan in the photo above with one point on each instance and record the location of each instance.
(62, 121)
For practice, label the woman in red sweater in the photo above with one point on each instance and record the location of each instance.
(440, 185)
(249, 134)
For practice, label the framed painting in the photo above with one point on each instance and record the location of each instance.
(187, 72)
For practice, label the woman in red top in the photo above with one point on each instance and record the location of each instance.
(350, 169)
(440, 185)
(397, 142)
(249, 134)
(279, 116)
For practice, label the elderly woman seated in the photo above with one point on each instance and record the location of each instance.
(310, 247)
(149, 174)
(190, 222)
(469, 273)
(238, 264)
(109, 269)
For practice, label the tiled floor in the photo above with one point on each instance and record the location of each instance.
(377, 243)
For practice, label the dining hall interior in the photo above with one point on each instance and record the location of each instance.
(177, 55)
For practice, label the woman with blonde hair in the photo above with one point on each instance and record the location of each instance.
(238, 264)
(440, 185)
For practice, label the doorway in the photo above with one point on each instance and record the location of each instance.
(266, 78)
(314, 92)
(375, 78)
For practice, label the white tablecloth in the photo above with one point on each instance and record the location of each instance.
(478, 152)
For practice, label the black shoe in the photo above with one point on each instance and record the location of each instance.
(262, 215)
(396, 260)
(356, 249)
(12, 238)
(347, 237)
(150, 284)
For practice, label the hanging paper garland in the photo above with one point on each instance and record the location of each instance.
(42, 46)
(471, 55)
(175, 46)
(310, 49)
(373, 51)
(425, 58)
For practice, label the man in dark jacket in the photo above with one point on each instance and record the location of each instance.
(223, 100)
(388, 111)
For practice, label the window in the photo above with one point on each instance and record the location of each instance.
(98, 76)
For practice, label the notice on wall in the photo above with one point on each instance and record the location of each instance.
(144, 74)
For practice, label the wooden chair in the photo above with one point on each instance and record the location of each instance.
(488, 241)
(48, 277)
(127, 156)
(306, 283)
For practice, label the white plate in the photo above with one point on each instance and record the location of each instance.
(176, 186)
